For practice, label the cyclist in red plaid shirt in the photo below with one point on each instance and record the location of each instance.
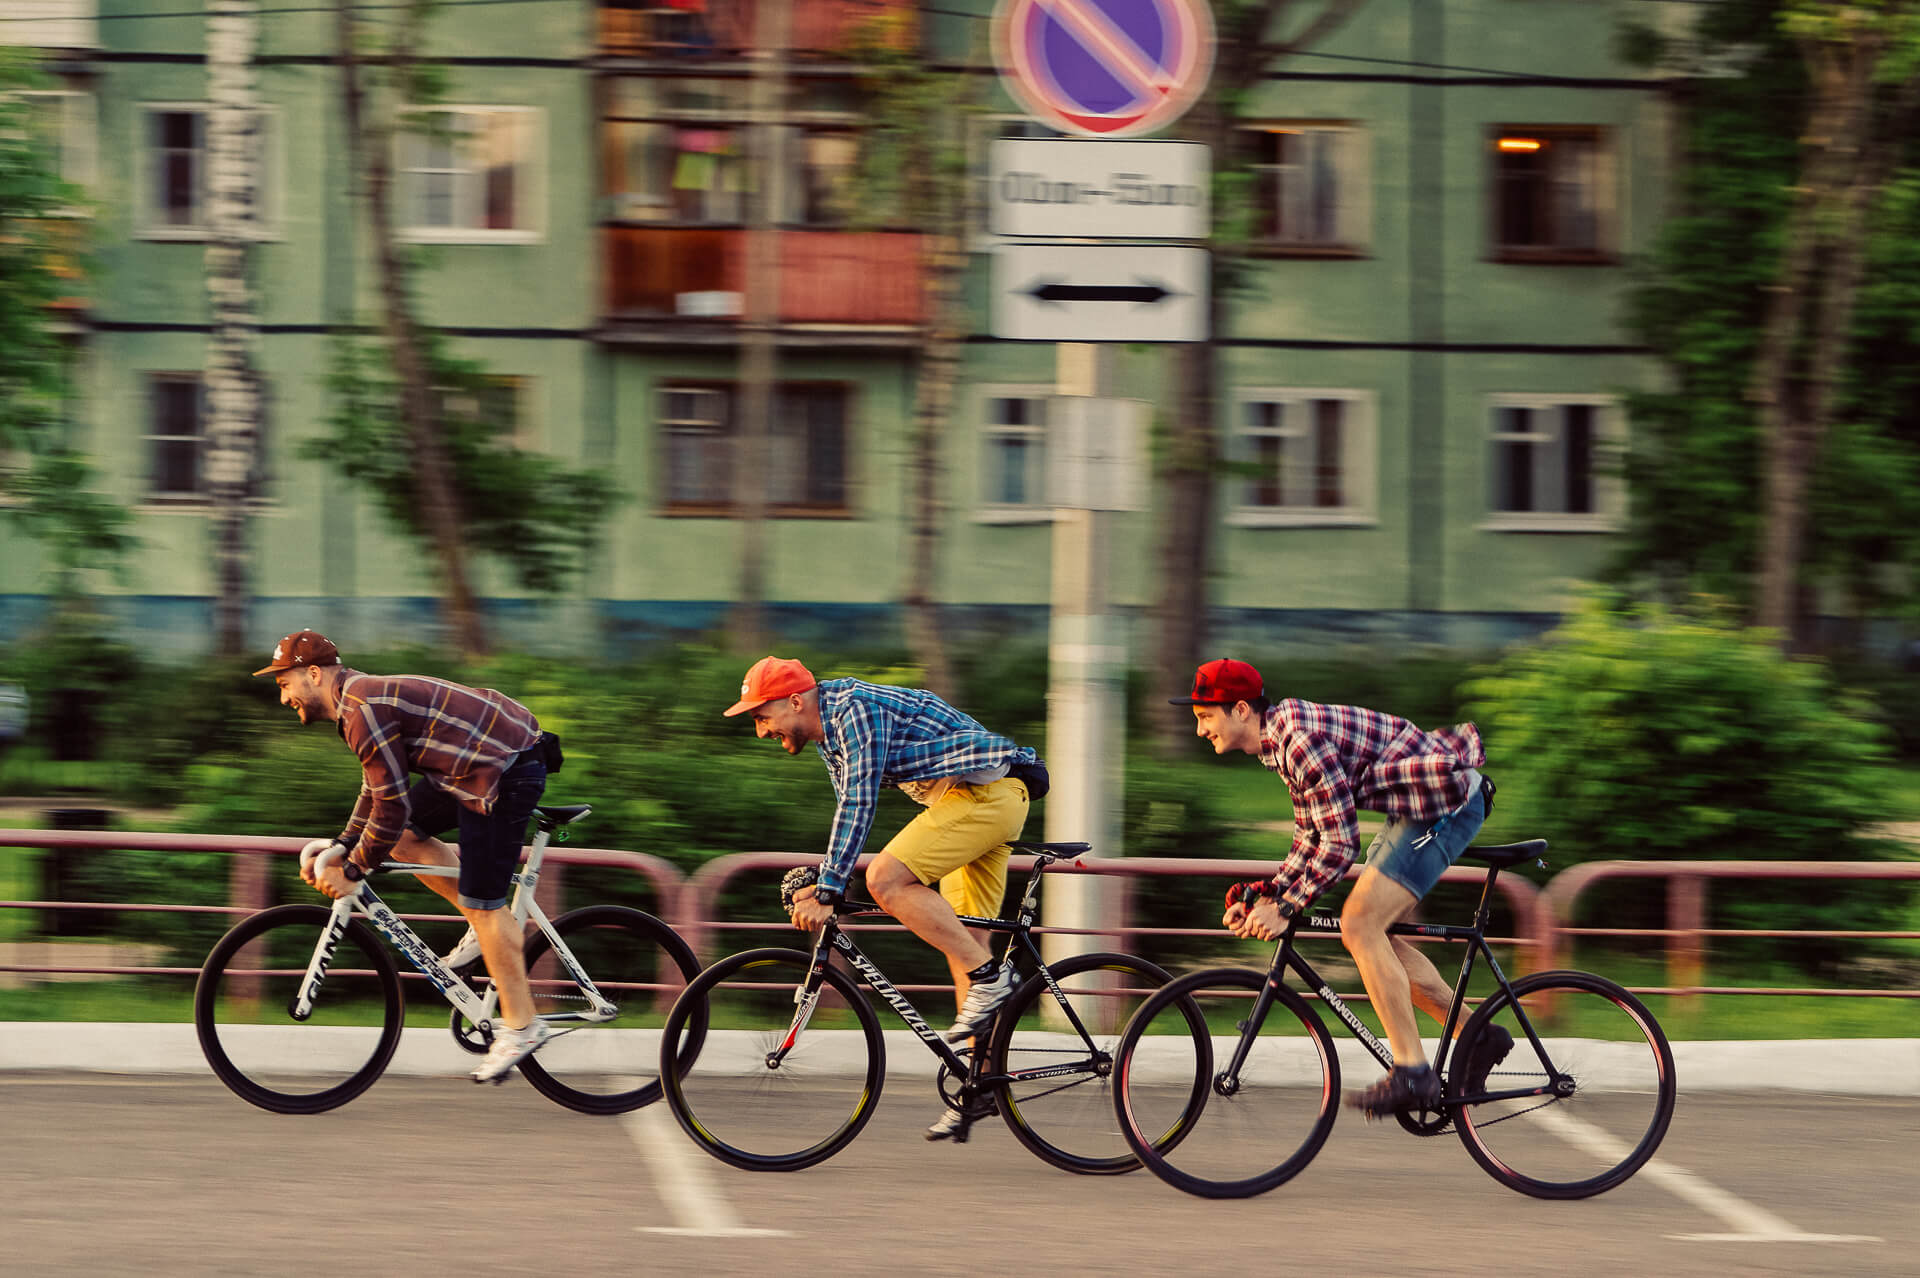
(1336, 760)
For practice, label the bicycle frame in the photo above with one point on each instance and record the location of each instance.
(1474, 935)
(1019, 928)
(478, 1010)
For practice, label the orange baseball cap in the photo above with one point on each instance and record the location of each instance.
(770, 679)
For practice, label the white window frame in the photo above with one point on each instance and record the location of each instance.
(719, 424)
(273, 160)
(197, 499)
(530, 183)
(1040, 510)
(1609, 486)
(79, 133)
(1359, 460)
(1353, 166)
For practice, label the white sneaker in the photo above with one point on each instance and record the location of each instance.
(509, 1048)
(953, 1125)
(465, 952)
(983, 1000)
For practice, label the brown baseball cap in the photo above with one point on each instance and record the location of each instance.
(770, 679)
(301, 648)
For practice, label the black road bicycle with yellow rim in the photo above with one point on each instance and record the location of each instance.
(804, 1078)
(1576, 1105)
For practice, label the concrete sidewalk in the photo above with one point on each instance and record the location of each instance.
(1853, 1066)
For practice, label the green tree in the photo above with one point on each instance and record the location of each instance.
(1782, 298)
(52, 490)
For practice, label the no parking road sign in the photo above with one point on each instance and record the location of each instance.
(1104, 68)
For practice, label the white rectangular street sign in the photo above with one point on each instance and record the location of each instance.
(1083, 188)
(1097, 453)
(1100, 292)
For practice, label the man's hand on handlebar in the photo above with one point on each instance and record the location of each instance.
(1259, 922)
(809, 915)
(323, 868)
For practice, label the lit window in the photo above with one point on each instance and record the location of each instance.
(1553, 194)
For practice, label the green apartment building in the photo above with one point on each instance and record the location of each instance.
(1422, 371)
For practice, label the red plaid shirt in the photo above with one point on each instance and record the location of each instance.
(459, 738)
(1339, 759)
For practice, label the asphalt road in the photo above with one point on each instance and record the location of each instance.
(103, 1175)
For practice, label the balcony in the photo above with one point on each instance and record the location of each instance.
(691, 278)
(725, 28)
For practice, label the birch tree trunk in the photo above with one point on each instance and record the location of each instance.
(232, 370)
(433, 472)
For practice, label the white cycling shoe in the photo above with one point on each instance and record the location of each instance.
(509, 1048)
(465, 952)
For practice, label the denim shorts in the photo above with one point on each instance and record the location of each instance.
(490, 842)
(1414, 855)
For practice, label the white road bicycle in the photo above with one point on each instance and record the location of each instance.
(299, 1008)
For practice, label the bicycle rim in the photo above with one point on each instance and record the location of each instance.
(783, 1116)
(1059, 1104)
(1615, 1093)
(1263, 1120)
(242, 1012)
(637, 963)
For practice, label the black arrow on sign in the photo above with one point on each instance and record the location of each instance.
(1143, 292)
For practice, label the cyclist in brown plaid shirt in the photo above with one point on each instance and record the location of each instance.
(482, 770)
(1336, 760)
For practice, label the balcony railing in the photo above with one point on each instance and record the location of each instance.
(726, 28)
(826, 277)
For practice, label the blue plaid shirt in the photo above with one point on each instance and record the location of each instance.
(877, 736)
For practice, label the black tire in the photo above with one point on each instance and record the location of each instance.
(242, 1012)
(760, 1117)
(1069, 1120)
(1258, 1129)
(1614, 1098)
(635, 961)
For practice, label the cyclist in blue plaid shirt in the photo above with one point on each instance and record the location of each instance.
(974, 785)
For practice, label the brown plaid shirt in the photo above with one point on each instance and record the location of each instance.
(1337, 759)
(460, 739)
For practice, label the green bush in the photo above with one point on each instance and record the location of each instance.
(1653, 734)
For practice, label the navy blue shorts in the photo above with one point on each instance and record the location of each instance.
(1415, 855)
(490, 842)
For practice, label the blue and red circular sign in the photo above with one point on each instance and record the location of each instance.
(1104, 68)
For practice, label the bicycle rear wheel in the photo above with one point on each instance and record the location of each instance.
(636, 962)
(1270, 1090)
(1599, 1102)
(243, 1011)
(748, 1110)
(1059, 1100)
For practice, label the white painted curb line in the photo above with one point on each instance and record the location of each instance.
(1852, 1066)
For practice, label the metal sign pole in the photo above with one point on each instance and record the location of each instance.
(1086, 665)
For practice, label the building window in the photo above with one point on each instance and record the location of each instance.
(1013, 436)
(1310, 186)
(806, 464)
(1548, 464)
(469, 174)
(175, 204)
(675, 150)
(1304, 457)
(63, 121)
(1553, 194)
(176, 439)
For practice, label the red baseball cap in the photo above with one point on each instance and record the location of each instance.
(770, 679)
(301, 648)
(1222, 683)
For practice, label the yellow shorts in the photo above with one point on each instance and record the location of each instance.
(961, 840)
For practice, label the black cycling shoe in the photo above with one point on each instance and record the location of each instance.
(1407, 1088)
(1492, 1049)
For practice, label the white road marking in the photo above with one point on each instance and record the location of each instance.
(684, 1176)
(1749, 1223)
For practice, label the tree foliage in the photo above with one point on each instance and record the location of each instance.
(527, 510)
(53, 498)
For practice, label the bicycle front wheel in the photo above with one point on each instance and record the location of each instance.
(774, 1089)
(243, 1011)
(1270, 1089)
(607, 1063)
(1589, 1112)
(1058, 1097)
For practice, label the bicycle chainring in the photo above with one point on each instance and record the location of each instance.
(1426, 1122)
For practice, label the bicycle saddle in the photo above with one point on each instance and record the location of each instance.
(1502, 855)
(1052, 849)
(562, 813)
